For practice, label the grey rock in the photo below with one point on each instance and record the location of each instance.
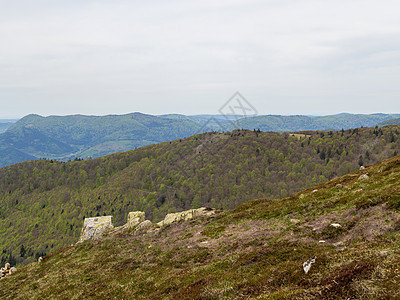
(308, 263)
(134, 218)
(363, 177)
(144, 226)
(336, 225)
(95, 228)
(186, 215)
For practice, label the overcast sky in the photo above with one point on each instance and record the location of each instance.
(113, 57)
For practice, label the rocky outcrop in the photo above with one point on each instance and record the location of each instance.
(144, 226)
(95, 228)
(134, 218)
(186, 215)
(7, 270)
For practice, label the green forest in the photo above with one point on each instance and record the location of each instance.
(77, 136)
(43, 203)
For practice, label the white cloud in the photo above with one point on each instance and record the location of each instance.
(154, 56)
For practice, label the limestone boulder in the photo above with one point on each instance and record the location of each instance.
(144, 226)
(135, 218)
(363, 177)
(186, 215)
(95, 228)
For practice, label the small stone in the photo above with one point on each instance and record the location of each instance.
(338, 244)
(363, 177)
(314, 191)
(322, 242)
(13, 270)
(362, 168)
(40, 259)
(336, 225)
(307, 264)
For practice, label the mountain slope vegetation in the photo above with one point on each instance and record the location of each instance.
(68, 137)
(43, 202)
(4, 126)
(255, 251)
(390, 122)
(299, 123)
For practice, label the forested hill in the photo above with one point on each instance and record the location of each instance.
(4, 126)
(346, 231)
(298, 123)
(78, 136)
(68, 137)
(389, 122)
(43, 203)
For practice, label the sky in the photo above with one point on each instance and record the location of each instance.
(286, 57)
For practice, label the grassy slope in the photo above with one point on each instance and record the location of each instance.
(256, 250)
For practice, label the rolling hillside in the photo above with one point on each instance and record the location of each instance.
(390, 122)
(349, 225)
(5, 124)
(43, 203)
(69, 137)
(298, 123)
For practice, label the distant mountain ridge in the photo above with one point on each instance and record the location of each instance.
(5, 124)
(68, 137)
(389, 122)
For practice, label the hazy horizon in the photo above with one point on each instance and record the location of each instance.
(287, 57)
(101, 115)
